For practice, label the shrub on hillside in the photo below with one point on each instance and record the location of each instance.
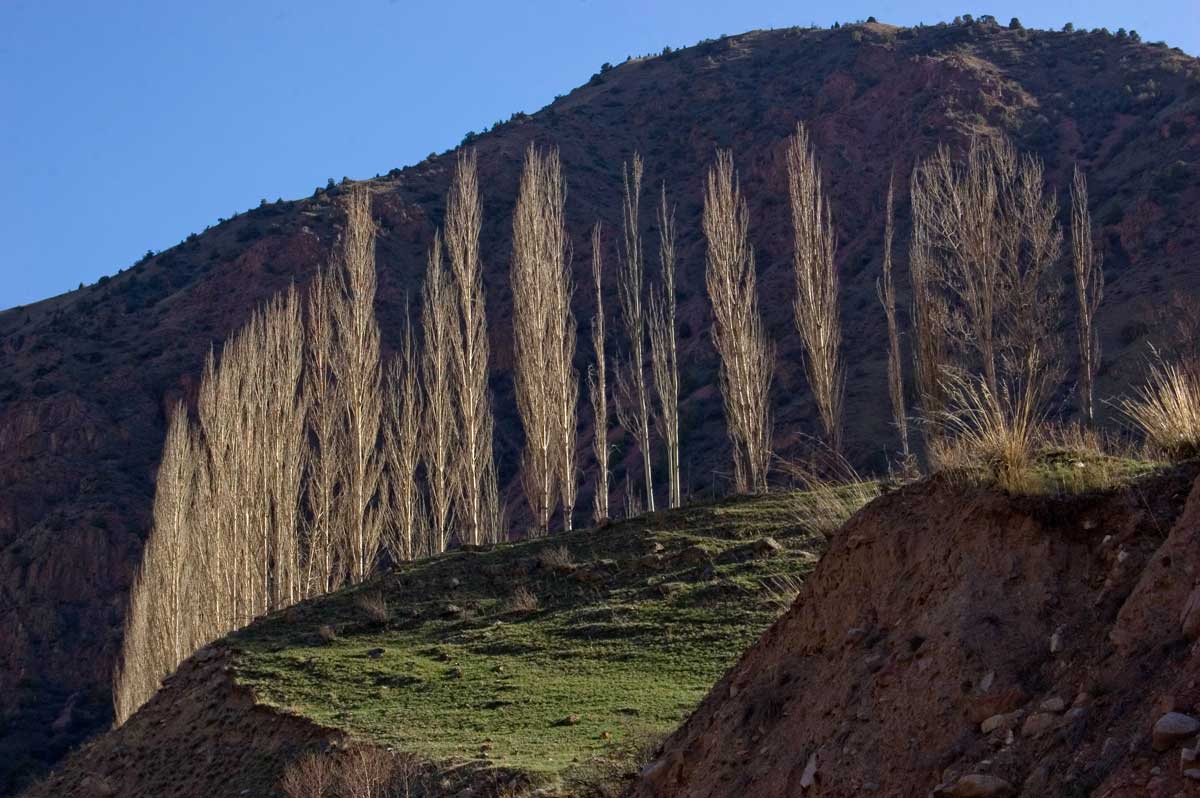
(1167, 408)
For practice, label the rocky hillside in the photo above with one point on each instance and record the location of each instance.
(85, 377)
(550, 664)
(957, 642)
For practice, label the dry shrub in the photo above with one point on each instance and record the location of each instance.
(780, 591)
(522, 600)
(556, 557)
(1167, 408)
(998, 431)
(366, 772)
(312, 776)
(410, 776)
(374, 606)
(829, 494)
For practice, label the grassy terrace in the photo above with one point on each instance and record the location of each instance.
(557, 657)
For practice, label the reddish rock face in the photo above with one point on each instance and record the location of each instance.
(956, 591)
(85, 377)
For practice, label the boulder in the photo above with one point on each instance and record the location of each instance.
(1038, 724)
(1172, 729)
(977, 785)
(766, 547)
(809, 776)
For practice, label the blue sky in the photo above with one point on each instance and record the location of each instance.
(125, 125)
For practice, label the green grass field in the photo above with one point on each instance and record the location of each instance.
(629, 626)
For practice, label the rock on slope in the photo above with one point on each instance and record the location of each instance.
(958, 642)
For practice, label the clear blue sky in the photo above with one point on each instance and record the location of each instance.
(125, 125)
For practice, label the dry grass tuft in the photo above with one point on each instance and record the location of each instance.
(523, 600)
(1167, 408)
(830, 493)
(556, 557)
(374, 606)
(997, 431)
(780, 591)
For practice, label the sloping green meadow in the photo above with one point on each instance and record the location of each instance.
(555, 656)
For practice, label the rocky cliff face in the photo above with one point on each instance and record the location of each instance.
(955, 642)
(85, 377)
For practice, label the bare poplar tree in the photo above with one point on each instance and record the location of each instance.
(985, 241)
(816, 303)
(225, 542)
(137, 675)
(886, 289)
(217, 408)
(1032, 246)
(565, 377)
(357, 371)
(1089, 292)
(322, 572)
(563, 334)
(635, 417)
(403, 451)
(159, 627)
(284, 442)
(598, 387)
(663, 357)
(439, 430)
(930, 314)
(747, 357)
(541, 319)
(470, 353)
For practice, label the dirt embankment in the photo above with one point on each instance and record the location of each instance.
(199, 737)
(957, 642)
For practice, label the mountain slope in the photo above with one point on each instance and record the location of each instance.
(548, 662)
(85, 377)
